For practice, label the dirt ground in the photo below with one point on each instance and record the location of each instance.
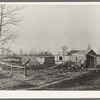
(51, 80)
(35, 79)
(86, 81)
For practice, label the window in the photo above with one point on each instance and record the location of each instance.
(60, 58)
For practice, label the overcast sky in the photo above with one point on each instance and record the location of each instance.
(52, 26)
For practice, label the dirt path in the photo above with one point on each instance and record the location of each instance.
(53, 80)
(86, 81)
(42, 87)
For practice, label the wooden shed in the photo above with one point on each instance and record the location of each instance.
(98, 61)
(91, 59)
(60, 58)
(84, 56)
(49, 61)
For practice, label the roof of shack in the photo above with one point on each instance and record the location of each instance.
(81, 52)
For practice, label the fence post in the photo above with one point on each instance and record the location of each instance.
(18, 70)
(57, 59)
(11, 69)
(6, 68)
(25, 71)
(30, 67)
(62, 64)
(45, 69)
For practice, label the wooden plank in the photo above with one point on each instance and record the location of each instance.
(11, 65)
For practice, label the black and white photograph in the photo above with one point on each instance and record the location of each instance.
(49, 47)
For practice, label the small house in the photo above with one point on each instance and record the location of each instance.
(60, 58)
(41, 60)
(84, 56)
(14, 60)
(77, 55)
(34, 60)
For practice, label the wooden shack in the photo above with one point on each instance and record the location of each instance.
(84, 56)
(14, 60)
(91, 59)
(98, 61)
(60, 58)
(49, 61)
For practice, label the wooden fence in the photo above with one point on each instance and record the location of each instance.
(12, 69)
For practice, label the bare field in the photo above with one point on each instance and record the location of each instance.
(86, 81)
(36, 79)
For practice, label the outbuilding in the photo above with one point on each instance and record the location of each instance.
(60, 58)
(49, 61)
(87, 57)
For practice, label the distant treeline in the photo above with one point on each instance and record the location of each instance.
(41, 53)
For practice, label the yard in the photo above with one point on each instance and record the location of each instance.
(52, 79)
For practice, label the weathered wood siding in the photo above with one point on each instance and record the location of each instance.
(59, 61)
(98, 61)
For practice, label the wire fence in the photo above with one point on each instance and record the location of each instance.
(13, 69)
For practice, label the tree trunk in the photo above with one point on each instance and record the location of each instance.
(1, 19)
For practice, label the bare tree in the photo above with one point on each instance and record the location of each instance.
(32, 51)
(99, 51)
(89, 47)
(64, 49)
(7, 51)
(8, 18)
(21, 52)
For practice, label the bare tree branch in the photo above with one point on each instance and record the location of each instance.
(8, 50)
(8, 17)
